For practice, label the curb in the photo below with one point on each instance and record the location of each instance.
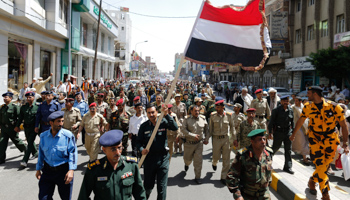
(285, 189)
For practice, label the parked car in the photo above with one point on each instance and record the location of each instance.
(233, 85)
(281, 91)
(304, 93)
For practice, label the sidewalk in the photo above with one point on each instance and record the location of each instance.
(295, 187)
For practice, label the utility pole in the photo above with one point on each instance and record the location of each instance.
(98, 34)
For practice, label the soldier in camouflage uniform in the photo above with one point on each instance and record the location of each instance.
(238, 118)
(120, 120)
(158, 103)
(250, 174)
(186, 101)
(245, 128)
(262, 109)
(198, 101)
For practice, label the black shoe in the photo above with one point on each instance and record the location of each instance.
(223, 181)
(186, 168)
(2, 162)
(198, 181)
(214, 167)
(289, 171)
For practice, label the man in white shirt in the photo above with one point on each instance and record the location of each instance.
(22, 92)
(338, 95)
(61, 87)
(134, 126)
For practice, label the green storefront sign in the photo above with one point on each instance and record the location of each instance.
(103, 18)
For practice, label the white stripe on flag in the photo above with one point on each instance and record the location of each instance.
(239, 36)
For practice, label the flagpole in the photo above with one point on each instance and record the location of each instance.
(160, 118)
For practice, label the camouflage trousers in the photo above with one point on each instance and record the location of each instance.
(259, 196)
(125, 144)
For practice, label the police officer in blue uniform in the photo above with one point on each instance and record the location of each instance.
(57, 159)
(45, 109)
(156, 164)
(114, 177)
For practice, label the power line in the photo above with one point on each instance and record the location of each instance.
(153, 16)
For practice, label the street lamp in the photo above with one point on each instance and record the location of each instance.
(139, 43)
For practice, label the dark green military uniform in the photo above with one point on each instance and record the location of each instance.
(191, 97)
(131, 97)
(8, 119)
(121, 122)
(248, 177)
(281, 123)
(188, 103)
(156, 163)
(28, 113)
(106, 183)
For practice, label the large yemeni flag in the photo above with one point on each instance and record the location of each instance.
(230, 36)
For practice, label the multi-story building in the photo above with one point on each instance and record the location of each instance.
(122, 45)
(313, 25)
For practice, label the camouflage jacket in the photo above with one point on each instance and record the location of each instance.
(248, 175)
(244, 130)
(120, 122)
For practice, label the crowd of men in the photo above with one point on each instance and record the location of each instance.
(97, 113)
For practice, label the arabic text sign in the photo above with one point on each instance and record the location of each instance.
(341, 39)
(279, 25)
(299, 64)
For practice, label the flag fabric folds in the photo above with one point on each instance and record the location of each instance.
(230, 36)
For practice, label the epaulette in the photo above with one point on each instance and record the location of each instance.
(229, 113)
(212, 106)
(63, 109)
(241, 151)
(269, 149)
(93, 164)
(213, 113)
(131, 159)
(76, 109)
(187, 116)
(37, 103)
(56, 103)
(128, 113)
(202, 116)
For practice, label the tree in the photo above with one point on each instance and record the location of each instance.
(332, 63)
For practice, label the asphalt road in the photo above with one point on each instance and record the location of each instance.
(22, 184)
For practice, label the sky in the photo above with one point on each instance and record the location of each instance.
(165, 36)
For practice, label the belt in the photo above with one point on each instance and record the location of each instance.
(260, 117)
(220, 136)
(254, 194)
(92, 134)
(57, 168)
(193, 142)
(44, 123)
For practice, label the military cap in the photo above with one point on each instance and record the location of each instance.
(218, 98)
(138, 104)
(257, 132)
(251, 110)
(197, 99)
(108, 86)
(315, 88)
(92, 105)
(55, 115)
(238, 105)
(120, 102)
(284, 97)
(69, 100)
(43, 92)
(185, 94)
(9, 94)
(49, 92)
(76, 94)
(258, 91)
(100, 93)
(220, 103)
(177, 95)
(29, 94)
(170, 105)
(137, 98)
(111, 138)
(159, 90)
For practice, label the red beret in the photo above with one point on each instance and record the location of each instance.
(69, 99)
(119, 102)
(251, 110)
(170, 105)
(258, 91)
(92, 105)
(219, 102)
(108, 86)
(137, 98)
(100, 94)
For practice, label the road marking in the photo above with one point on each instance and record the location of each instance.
(299, 197)
(301, 165)
(275, 178)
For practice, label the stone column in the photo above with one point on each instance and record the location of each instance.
(36, 60)
(79, 69)
(3, 64)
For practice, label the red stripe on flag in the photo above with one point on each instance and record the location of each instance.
(249, 16)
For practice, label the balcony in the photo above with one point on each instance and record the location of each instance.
(120, 54)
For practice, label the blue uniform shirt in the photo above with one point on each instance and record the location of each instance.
(82, 106)
(57, 150)
(45, 110)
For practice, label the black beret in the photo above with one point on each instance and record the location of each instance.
(55, 115)
(111, 138)
(10, 94)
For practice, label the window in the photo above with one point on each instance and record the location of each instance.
(297, 36)
(298, 6)
(122, 28)
(324, 28)
(340, 23)
(62, 12)
(310, 32)
(84, 33)
(94, 35)
(122, 16)
(41, 3)
(102, 42)
(109, 45)
(311, 2)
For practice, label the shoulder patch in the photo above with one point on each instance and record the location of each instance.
(63, 109)
(56, 103)
(213, 113)
(131, 159)
(269, 149)
(229, 113)
(93, 164)
(187, 116)
(241, 151)
(202, 116)
(76, 109)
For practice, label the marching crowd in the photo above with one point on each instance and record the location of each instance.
(96, 113)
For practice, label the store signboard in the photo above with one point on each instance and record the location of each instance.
(299, 64)
(341, 39)
(105, 20)
(296, 81)
(134, 66)
(279, 25)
